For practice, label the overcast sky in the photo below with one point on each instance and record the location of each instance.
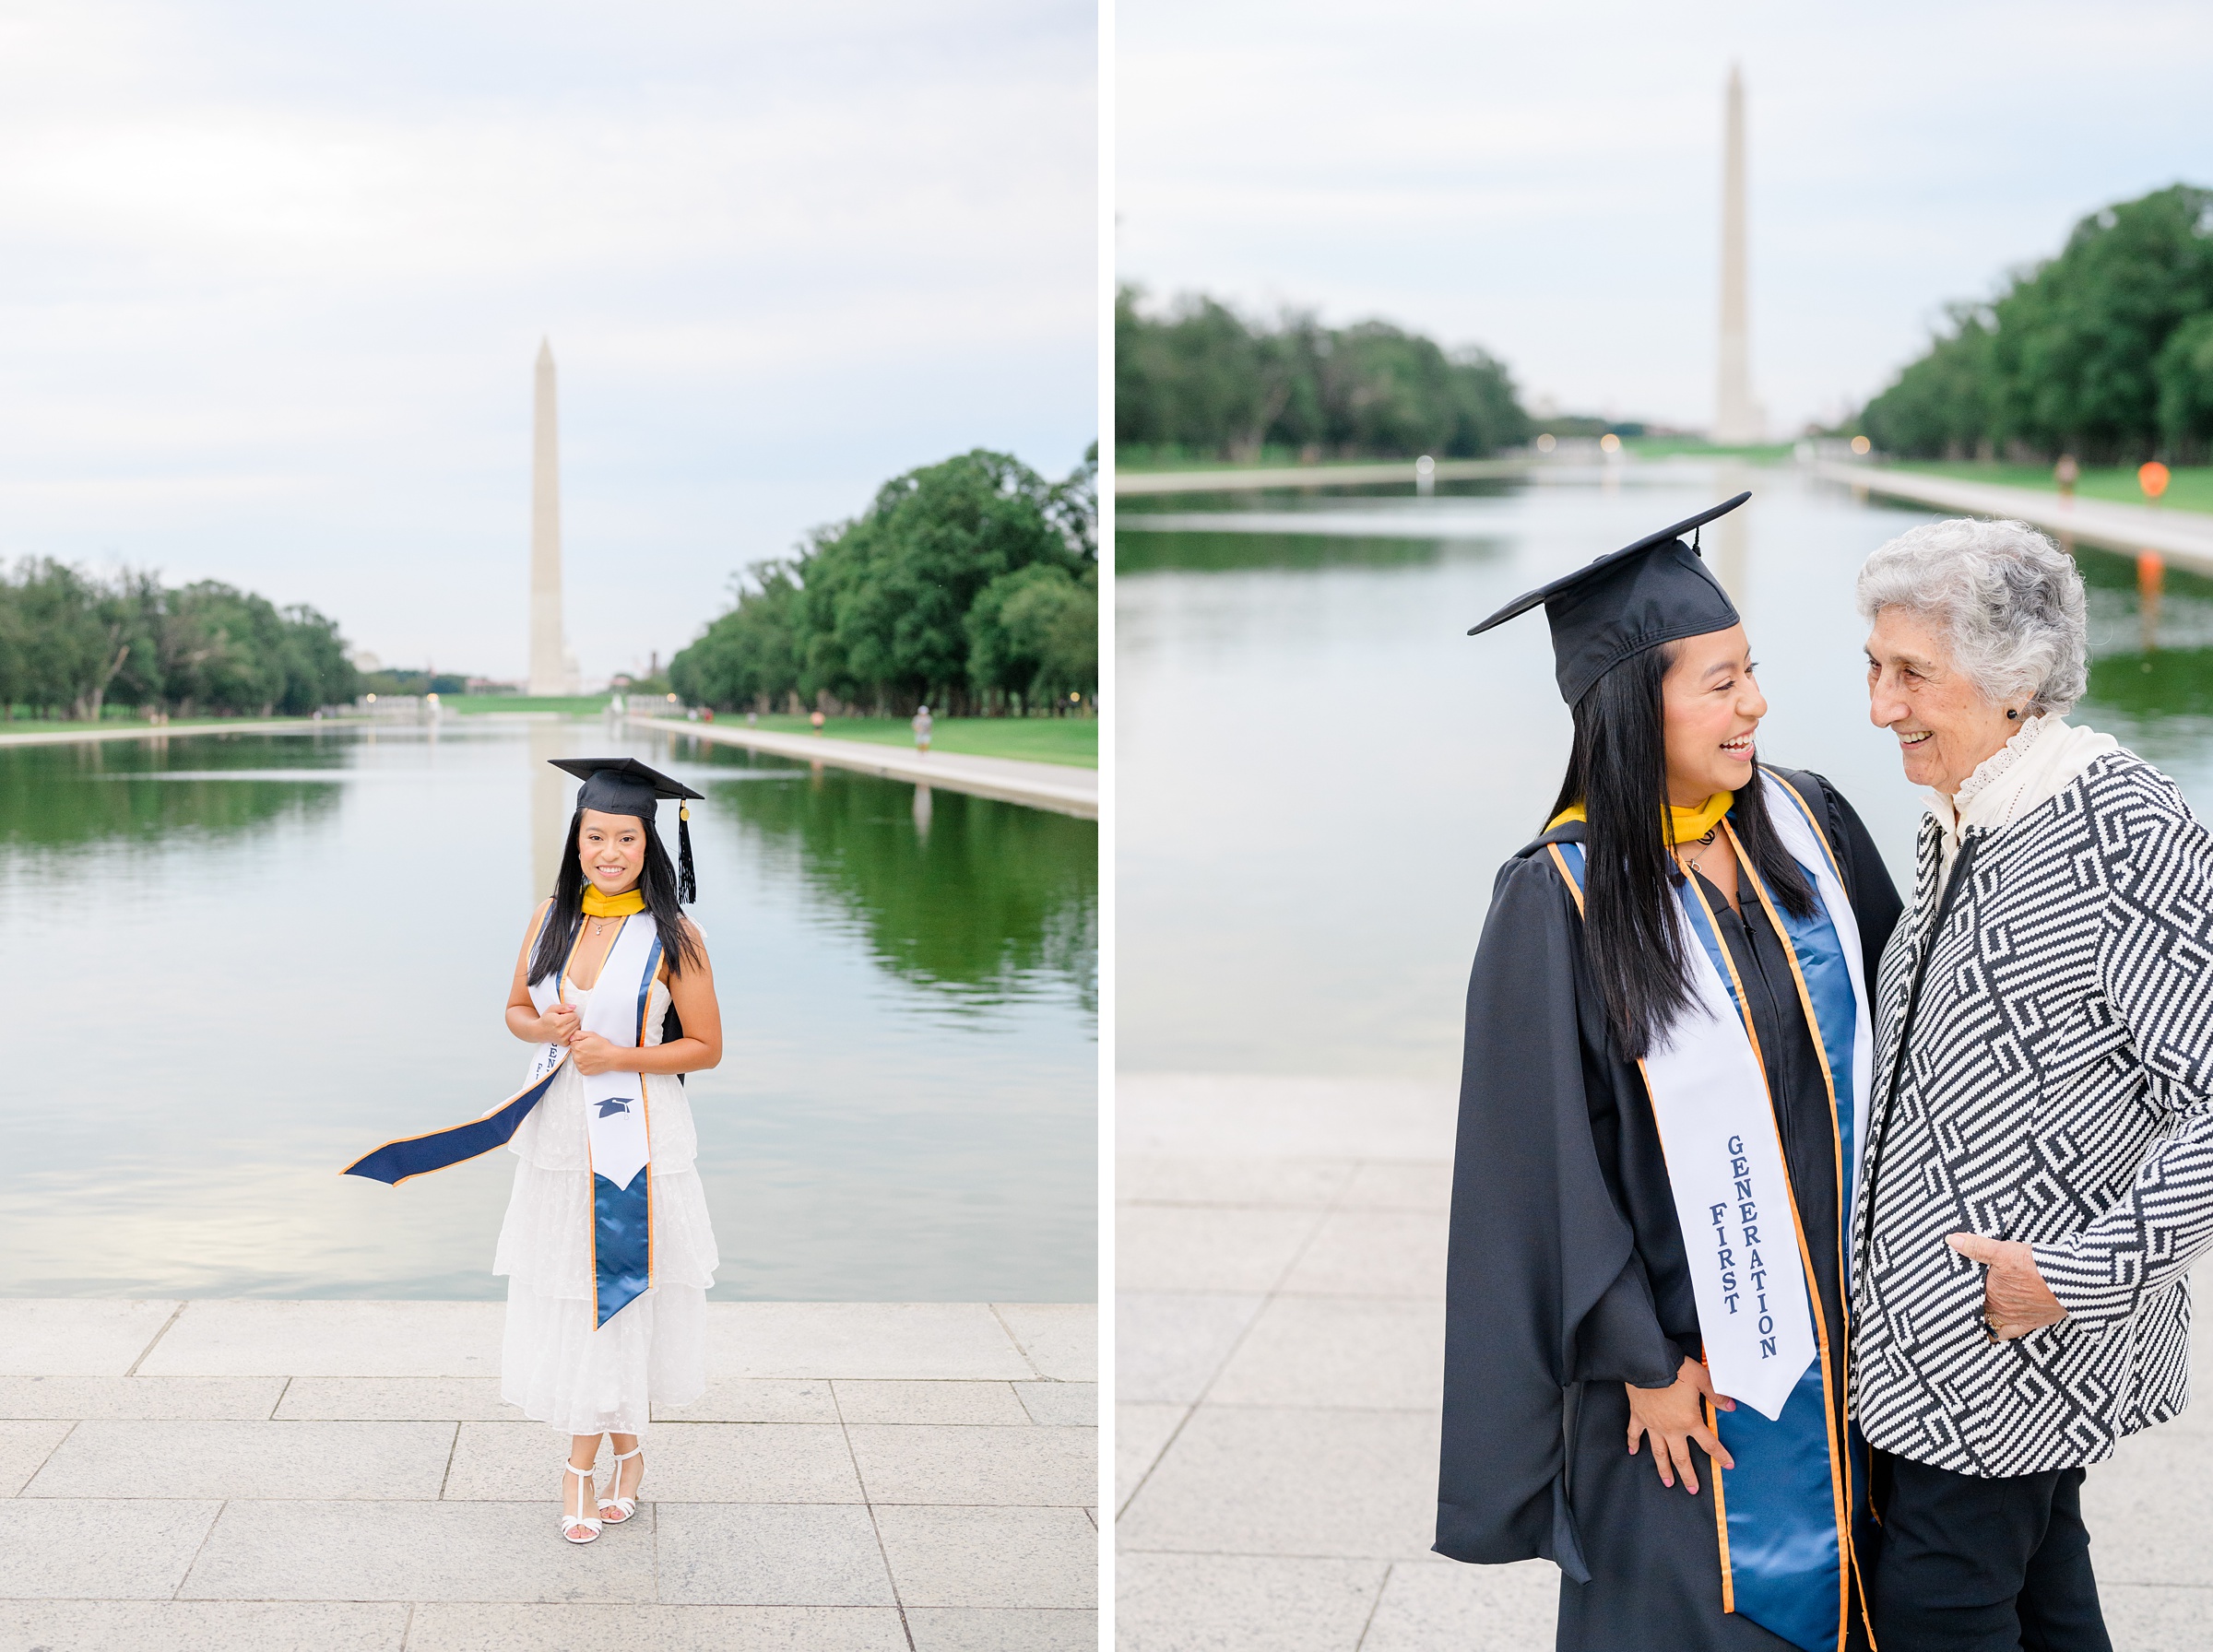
(1545, 181)
(272, 278)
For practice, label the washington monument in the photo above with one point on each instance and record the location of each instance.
(548, 658)
(1736, 417)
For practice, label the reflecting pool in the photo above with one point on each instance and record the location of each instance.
(1319, 774)
(235, 962)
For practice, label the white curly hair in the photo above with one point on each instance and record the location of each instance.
(2007, 601)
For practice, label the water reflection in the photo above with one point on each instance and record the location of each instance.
(958, 893)
(1320, 775)
(49, 805)
(238, 960)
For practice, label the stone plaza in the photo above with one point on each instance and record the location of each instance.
(268, 1476)
(1280, 1356)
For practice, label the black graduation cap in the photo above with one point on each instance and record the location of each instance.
(1653, 590)
(623, 785)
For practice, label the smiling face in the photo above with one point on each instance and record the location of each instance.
(1711, 706)
(1946, 728)
(612, 850)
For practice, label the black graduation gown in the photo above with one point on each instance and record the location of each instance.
(1566, 1277)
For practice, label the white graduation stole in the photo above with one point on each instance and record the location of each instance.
(614, 1101)
(1724, 1155)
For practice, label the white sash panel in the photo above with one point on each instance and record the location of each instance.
(614, 1101)
(1732, 1197)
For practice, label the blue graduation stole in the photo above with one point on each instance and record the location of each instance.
(1786, 1512)
(615, 1120)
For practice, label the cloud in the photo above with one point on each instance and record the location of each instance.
(271, 282)
(1546, 180)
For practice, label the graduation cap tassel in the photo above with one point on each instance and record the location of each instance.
(687, 888)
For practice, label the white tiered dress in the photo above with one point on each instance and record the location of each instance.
(552, 1363)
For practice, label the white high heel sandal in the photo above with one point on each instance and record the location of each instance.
(591, 1524)
(629, 1505)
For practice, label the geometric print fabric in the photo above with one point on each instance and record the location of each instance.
(2057, 1089)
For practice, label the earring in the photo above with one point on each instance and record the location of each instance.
(2013, 716)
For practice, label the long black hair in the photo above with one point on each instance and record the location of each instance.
(1618, 771)
(657, 881)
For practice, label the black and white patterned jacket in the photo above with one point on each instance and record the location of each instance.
(2057, 1088)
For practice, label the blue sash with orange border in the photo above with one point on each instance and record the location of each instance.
(1786, 1513)
(615, 1120)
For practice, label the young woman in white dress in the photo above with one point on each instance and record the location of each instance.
(591, 1380)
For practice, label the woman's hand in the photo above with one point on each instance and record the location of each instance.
(1674, 1418)
(2016, 1300)
(593, 1055)
(558, 1025)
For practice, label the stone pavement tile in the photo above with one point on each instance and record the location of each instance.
(1289, 1184)
(201, 1626)
(2198, 1418)
(1241, 1602)
(1231, 1115)
(1140, 1434)
(445, 1626)
(769, 1555)
(251, 1337)
(1374, 1253)
(265, 1461)
(2150, 1509)
(394, 1399)
(919, 1340)
(2144, 1618)
(69, 1338)
(156, 1398)
(1070, 1405)
(360, 1551)
(929, 1402)
(1357, 1485)
(1169, 1345)
(745, 1399)
(1470, 1608)
(685, 1462)
(1400, 1185)
(1060, 1339)
(24, 1448)
(103, 1549)
(959, 1629)
(1336, 1350)
(1047, 1466)
(998, 1557)
(1199, 1247)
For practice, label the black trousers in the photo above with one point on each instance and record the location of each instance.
(1983, 1565)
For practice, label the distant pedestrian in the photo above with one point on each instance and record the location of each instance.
(817, 721)
(921, 727)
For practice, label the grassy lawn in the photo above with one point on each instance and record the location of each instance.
(1668, 447)
(1071, 741)
(574, 705)
(2191, 489)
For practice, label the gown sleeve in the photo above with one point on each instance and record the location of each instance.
(1544, 1287)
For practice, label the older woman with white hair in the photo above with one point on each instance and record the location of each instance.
(2039, 1171)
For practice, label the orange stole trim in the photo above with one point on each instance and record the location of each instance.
(1859, 1576)
(1720, 1511)
(543, 912)
(1840, 1490)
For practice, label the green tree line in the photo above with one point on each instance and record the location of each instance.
(2104, 351)
(72, 643)
(970, 587)
(1197, 378)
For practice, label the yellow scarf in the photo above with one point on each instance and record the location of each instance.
(597, 905)
(1687, 825)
